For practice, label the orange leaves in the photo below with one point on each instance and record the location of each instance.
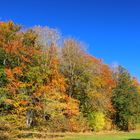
(12, 41)
(72, 107)
(17, 70)
(13, 48)
(67, 98)
(34, 80)
(92, 59)
(54, 63)
(100, 96)
(9, 73)
(17, 104)
(58, 83)
(135, 81)
(37, 94)
(107, 77)
(56, 80)
(6, 25)
(24, 103)
(14, 83)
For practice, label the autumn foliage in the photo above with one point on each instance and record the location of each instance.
(59, 86)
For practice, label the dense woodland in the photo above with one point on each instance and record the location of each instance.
(51, 83)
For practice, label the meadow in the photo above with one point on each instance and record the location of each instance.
(117, 136)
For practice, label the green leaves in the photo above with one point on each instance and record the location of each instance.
(126, 101)
(3, 79)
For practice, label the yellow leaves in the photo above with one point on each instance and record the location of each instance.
(37, 94)
(21, 110)
(24, 85)
(19, 105)
(9, 101)
(16, 104)
(3, 24)
(6, 24)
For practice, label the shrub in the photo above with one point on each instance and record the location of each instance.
(61, 123)
(97, 121)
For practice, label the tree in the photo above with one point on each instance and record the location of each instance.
(126, 100)
(72, 65)
(59, 85)
(19, 52)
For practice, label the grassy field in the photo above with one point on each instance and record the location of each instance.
(117, 136)
(87, 136)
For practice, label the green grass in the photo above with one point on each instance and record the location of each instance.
(118, 136)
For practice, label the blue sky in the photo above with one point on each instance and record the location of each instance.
(111, 28)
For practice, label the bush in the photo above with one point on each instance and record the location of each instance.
(97, 121)
(61, 123)
(78, 124)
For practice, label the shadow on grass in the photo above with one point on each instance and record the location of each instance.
(133, 139)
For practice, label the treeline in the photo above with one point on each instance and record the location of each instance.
(54, 84)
